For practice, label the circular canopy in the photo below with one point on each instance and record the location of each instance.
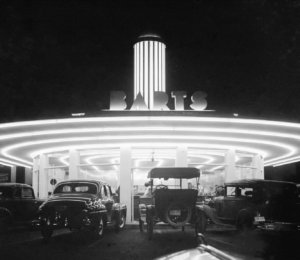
(277, 142)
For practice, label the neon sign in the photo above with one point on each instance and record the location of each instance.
(160, 100)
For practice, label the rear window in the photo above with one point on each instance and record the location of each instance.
(76, 188)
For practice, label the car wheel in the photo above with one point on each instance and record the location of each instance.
(178, 214)
(141, 225)
(201, 223)
(47, 232)
(150, 227)
(244, 224)
(120, 222)
(99, 228)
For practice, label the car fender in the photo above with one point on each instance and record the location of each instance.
(244, 213)
(119, 208)
(6, 216)
(209, 212)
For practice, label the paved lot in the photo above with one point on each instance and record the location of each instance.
(131, 244)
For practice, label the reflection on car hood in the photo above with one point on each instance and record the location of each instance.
(199, 253)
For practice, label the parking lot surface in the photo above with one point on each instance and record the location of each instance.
(131, 244)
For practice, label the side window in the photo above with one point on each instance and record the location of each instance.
(230, 191)
(27, 193)
(246, 191)
(104, 192)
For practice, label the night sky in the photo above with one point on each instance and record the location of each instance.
(63, 57)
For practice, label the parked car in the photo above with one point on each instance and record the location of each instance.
(18, 205)
(202, 252)
(176, 207)
(78, 204)
(249, 204)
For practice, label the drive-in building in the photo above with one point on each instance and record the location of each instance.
(122, 144)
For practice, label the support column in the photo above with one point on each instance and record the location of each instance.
(28, 176)
(258, 162)
(43, 176)
(13, 177)
(73, 162)
(126, 181)
(182, 161)
(35, 177)
(230, 162)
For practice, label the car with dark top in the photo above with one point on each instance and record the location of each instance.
(249, 204)
(77, 204)
(174, 206)
(18, 205)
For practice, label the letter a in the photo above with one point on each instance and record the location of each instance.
(139, 103)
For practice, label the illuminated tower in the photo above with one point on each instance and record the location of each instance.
(149, 67)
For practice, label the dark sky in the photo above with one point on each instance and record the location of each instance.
(63, 57)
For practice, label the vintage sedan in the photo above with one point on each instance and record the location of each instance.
(18, 205)
(248, 204)
(78, 204)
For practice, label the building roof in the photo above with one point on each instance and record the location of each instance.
(277, 142)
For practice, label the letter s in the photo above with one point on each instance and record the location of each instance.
(199, 101)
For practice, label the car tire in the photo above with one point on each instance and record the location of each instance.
(99, 228)
(46, 232)
(178, 222)
(201, 223)
(120, 222)
(150, 227)
(244, 223)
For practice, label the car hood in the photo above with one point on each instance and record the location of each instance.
(199, 253)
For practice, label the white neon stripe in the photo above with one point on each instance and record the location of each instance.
(15, 163)
(170, 129)
(144, 137)
(146, 74)
(142, 69)
(155, 66)
(6, 164)
(163, 68)
(151, 87)
(179, 119)
(138, 67)
(159, 67)
(135, 75)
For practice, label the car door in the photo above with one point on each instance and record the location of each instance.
(24, 204)
(229, 202)
(238, 197)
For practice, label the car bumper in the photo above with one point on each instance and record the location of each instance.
(279, 226)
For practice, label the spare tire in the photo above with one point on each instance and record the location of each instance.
(177, 214)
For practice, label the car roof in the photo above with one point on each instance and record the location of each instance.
(83, 180)
(254, 181)
(174, 172)
(13, 185)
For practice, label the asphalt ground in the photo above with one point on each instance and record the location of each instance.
(131, 244)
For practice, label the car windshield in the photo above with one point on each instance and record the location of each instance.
(76, 188)
(6, 192)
